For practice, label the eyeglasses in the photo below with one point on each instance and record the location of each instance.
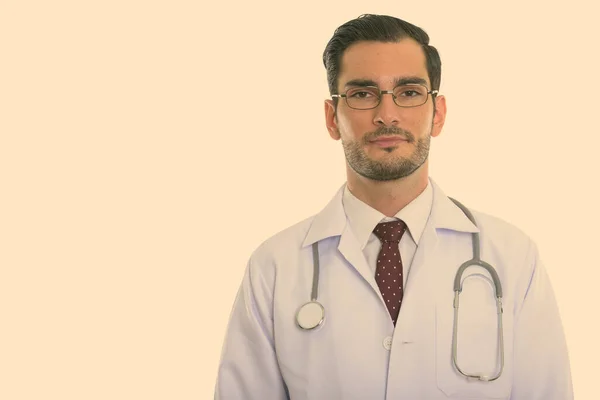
(369, 97)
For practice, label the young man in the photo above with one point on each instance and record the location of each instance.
(380, 262)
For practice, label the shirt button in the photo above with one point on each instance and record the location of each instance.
(387, 343)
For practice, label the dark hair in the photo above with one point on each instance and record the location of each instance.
(380, 28)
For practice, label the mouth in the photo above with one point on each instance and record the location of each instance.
(388, 141)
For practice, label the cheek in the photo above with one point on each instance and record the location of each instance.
(354, 127)
(420, 123)
(427, 117)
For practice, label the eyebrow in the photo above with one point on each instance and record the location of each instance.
(405, 80)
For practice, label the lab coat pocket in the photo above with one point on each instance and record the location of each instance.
(478, 350)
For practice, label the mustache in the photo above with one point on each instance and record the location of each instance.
(391, 131)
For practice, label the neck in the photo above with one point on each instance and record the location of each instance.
(388, 197)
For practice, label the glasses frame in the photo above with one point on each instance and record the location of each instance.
(382, 92)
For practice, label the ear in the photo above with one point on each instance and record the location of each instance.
(331, 120)
(440, 116)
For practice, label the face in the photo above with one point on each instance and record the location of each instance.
(387, 142)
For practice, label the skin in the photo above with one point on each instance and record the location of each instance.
(386, 177)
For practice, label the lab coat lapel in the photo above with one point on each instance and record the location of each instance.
(416, 301)
(421, 285)
(350, 248)
(332, 221)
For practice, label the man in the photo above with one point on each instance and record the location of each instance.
(390, 244)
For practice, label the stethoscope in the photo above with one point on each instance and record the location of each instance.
(312, 314)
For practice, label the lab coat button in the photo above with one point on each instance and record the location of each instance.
(387, 343)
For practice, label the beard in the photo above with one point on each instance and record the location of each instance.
(386, 170)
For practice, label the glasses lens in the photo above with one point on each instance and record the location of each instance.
(362, 98)
(410, 95)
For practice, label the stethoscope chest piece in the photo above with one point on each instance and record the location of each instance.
(310, 315)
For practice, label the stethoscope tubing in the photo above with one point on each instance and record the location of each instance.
(475, 261)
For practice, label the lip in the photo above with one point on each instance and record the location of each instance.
(388, 141)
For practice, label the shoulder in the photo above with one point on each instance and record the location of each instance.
(282, 244)
(498, 226)
(504, 237)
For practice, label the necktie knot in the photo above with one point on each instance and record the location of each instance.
(390, 231)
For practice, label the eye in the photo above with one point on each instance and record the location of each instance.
(362, 93)
(410, 91)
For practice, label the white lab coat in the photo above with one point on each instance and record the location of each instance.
(358, 354)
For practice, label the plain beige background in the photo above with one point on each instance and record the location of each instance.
(147, 148)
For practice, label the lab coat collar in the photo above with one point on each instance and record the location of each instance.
(332, 221)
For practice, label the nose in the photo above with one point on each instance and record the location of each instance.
(386, 112)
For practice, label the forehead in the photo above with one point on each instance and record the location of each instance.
(383, 62)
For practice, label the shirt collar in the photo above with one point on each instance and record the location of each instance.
(363, 218)
(332, 220)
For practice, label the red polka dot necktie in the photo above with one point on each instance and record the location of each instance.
(388, 273)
